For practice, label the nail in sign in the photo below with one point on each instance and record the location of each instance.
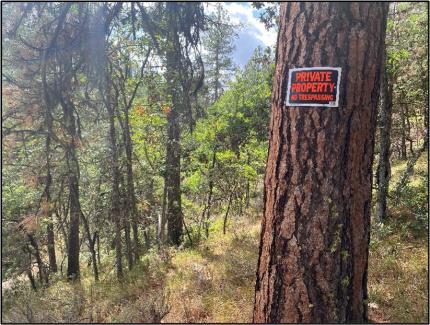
(318, 86)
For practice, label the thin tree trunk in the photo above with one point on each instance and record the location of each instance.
(403, 151)
(91, 246)
(47, 204)
(31, 279)
(383, 170)
(247, 193)
(217, 77)
(115, 204)
(73, 177)
(173, 172)
(131, 197)
(162, 217)
(73, 246)
(43, 276)
(97, 238)
(125, 218)
(188, 233)
(63, 230)
(127, 233)
(51, 248)
(315, 231)
(403, 180)
(224, 227)
(408, 128)
(147, 239)
(211, 186)
(28, 271)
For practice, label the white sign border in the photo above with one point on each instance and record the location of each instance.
(336, 104)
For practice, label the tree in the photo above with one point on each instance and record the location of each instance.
(47, 61)
(60, 93)
(403, 96)
(124, 83)
(268, 13)
(218, 44)
(177, 45)
(47, 200)
(219, 47)
(383, 170)
(407, 36)
(315, 231)
(226, 152)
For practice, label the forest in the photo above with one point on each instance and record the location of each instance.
(149, 175)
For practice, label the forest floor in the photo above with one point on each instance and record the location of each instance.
(214, 281)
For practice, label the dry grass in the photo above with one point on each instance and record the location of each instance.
(139, 298)
(420, 169)
(215, 282)
(398, 261)
(398, 280)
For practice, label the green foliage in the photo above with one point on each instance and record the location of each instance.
(218, 43)
(229, 146)
(407, 66)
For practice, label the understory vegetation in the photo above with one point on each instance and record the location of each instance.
(215, 280)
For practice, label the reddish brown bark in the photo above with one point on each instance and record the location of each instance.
(315, 230)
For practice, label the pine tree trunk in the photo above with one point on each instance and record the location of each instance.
(128, 245)
(26, 249)
(73, 177)
(51, 248)
(408, 127)
(404, 178)
(97, 239)
(131, 197)
(43, 276)
(210, 194)
(224, 226)
(383, 170)
(31, 279)
(115, 204)
(403, 151)
(162, 216)
(47, 193)
(173, 179)
(50, 226)
(217, 74)
(248, 185)
(125, 220)
(315, 231)
(173, 154)
(91, 246)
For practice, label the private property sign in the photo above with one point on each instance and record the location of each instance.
(317, 86)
